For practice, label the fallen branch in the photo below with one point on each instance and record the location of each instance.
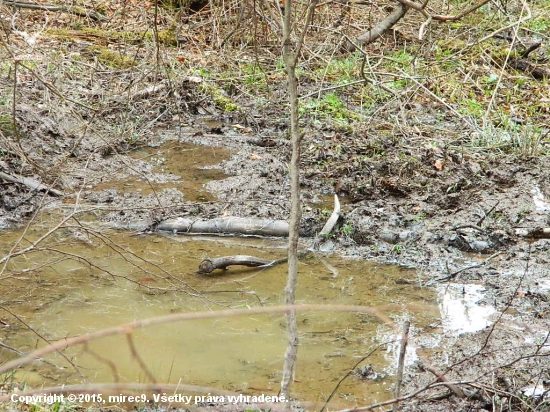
(458, 391)
(226, 225)
(33, 184)
(421, 8)
(209, 265)
(77, 11)
(538, 71)
(453, 274)
(441, 378)
(383, 25)
(331, 222)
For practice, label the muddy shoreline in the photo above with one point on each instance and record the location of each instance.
(129, 147)
(461, 238)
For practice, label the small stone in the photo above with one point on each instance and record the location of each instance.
(389, 237)
(479, 246)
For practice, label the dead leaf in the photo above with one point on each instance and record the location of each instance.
(438, 164)
(243, 128)
(146, 279)
(255, 157)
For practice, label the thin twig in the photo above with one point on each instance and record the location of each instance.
(401, 363)
(92, 14)
(125, 328)
(452, 275)
(480, 221)
(351, 370)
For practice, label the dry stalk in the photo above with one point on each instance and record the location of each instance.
(401, 363)
(291, 55)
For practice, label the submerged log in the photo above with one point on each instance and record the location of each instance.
(209, 265)
(226, 225)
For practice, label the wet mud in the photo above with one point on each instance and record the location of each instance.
(455, 216)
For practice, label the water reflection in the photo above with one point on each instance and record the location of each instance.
(461, 311)
(126, 283)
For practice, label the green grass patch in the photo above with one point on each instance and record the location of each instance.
(339, 71)
(524, 140)
(539, 25)
(329, 107)
(253, 74)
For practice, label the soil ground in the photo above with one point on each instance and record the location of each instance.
(421, 183)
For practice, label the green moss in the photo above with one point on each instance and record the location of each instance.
(329, 107)
(501, 54)
(451, 46)
(340, 71)
(165, 37)
(7, 128)
(111, 58)
(221, 101)
(168, 37)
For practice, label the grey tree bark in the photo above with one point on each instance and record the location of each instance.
(289, 57)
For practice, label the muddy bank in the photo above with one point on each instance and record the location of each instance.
(137, 147)
(450, 233)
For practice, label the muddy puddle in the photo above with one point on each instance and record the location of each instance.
(95, 287)
(84, 278)
(182, 166)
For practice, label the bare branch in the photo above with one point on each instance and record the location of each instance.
(383, 25)
(441, 17)
(77, 11)
(124, 329)
(401, 363)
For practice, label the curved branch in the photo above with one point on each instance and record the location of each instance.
(209, 265)
(441, 17)
(384, 25)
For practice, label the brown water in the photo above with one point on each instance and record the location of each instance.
(191, 166)
(70, 298)
(86, 279)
